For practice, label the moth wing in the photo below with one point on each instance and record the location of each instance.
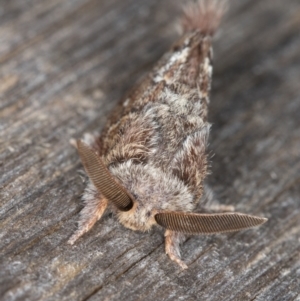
(102, 179)
(195, 223)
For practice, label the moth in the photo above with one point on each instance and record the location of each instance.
(150, 160)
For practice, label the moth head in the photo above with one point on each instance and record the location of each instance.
(159, 200)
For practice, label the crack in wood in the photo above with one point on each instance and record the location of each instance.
(97, 289)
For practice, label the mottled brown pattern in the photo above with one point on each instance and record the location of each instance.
(155, 142)
(174, 96)
(64, 65)
(190, 163)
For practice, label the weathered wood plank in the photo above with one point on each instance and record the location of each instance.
(64, 65)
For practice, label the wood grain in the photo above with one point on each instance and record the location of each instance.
(64, 65)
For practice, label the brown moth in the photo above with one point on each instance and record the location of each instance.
(150, 160)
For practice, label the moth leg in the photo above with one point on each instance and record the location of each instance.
(172, 242)
(95, 205)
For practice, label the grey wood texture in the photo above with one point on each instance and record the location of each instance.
(64, 65)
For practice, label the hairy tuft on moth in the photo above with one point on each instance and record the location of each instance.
(150, 160)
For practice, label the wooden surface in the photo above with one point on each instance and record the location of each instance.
(64, 65)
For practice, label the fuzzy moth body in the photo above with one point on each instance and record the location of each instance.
(150, 160)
